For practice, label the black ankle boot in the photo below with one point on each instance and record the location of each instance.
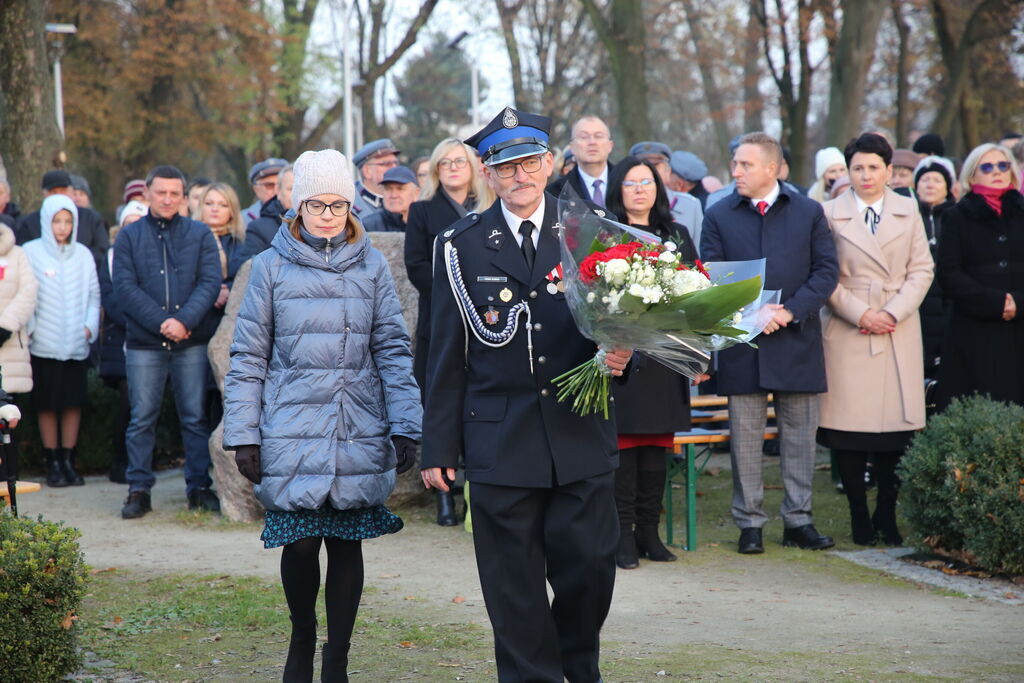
(650, 546)
(861, 525)
(301, 649)
(67, 461)
(55, 475)
(625, 552)
(334, 668)
(446, 509)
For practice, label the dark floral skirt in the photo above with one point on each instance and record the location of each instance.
(284, 527)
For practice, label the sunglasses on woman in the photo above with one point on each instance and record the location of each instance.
(987, 168)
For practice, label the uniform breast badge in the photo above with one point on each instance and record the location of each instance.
(492, 316)
(505, 295)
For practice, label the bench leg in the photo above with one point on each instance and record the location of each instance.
(691, 498)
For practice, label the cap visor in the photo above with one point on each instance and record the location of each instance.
(526, 149)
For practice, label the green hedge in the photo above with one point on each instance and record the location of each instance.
(95, 449)
(963, 483)
(42, 580)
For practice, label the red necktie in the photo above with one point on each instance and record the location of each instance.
(762, 206)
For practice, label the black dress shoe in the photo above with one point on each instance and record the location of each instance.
(203, 499)
(626, 556)
(806, 537)
(750, 541)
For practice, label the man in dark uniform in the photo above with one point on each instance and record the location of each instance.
(542, 477)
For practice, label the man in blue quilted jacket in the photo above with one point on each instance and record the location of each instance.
(166, 276)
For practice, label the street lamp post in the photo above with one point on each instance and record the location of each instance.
(58, 89)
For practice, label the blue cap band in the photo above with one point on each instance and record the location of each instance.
(505, 134)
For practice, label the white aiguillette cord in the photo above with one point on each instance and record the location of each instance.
(471, 319)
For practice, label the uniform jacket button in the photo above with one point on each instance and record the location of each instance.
(544, 392)
(1003, 264)
(472, 413)
(1002, 238)
(537, 327)
(533, 295)
(542, 359)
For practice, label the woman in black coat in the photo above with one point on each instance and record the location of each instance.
(933, 185)
(455, 188)
(981, 269)
(655, 403)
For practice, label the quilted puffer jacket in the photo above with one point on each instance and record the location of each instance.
(321, 374)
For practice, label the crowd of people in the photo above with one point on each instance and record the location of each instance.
(900, 270)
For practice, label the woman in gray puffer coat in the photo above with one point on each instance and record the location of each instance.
(320, 404)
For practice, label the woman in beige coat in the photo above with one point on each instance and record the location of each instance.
(17, 302)
(872, 334)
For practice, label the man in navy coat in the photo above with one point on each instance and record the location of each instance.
(542, 477)
(765, 219)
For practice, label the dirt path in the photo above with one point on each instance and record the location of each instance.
(713, 597)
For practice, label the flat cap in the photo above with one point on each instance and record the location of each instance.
(905, 158)
(374, 148)
(688, 166)
(52, 179)
(649, 147)
(399, 174)
(266, 168)
(512, 134)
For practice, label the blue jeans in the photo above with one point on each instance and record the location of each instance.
(147, 376)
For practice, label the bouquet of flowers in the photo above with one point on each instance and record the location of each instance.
(628, 289)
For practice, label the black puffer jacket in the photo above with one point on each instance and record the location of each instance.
(935, 307)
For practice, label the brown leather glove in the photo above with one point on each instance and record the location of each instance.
(247, 459)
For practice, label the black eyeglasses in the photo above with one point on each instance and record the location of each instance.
(461, 162)
(987, 168)
(507, 170)
(317, 207)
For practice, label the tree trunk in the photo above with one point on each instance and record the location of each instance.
(855, 50)
(753, 103)
(712, 94)
(507, 13)
(623, 35)
(902, 69)
(30, 141)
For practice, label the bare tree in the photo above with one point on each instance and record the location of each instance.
(902, 74)
(852, 54)
(29, 139)
(712, 94)
(621, 28)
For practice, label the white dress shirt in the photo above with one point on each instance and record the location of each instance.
(514, 221)
(588, 181)
(862, 209)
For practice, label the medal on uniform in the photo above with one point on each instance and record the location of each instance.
(561, 286)
(491, 316)
(556, 283)
(505, 295)
(552, 288)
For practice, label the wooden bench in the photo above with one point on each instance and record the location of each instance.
(683, 458)
(20, 488)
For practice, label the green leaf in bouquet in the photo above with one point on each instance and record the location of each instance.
(632, 304)
(705, 309)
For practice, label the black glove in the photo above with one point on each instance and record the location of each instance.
(5, 334)
(405, 450)
(247, 459)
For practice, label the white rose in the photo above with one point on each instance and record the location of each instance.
(667, 256)
(637, 290)
(615, 271)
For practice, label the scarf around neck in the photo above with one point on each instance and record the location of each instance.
(993, 196)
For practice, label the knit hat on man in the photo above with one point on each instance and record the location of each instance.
(323, 172)
(827, 158)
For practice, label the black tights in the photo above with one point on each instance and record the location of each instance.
(852, 465)
(300, 575)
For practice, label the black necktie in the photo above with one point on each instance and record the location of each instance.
(529, 250)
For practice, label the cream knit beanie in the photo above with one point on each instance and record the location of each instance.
(323, 172)
(826, 159)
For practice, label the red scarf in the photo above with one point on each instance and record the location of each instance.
(993, 196)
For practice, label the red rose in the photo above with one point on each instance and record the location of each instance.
(588, 269)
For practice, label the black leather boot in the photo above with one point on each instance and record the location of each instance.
(446, 509)
(650, 546)
(301, 649)
(67, 461)
(625, 552)
(334, 668)
(851, 470)
(55, 475)
(884, 518)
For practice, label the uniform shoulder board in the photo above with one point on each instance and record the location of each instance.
(460, 226)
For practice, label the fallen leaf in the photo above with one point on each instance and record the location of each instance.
(458, 599)
(1010, 596)
(410, 597)
(407, 644)
(450, 665)
(211, 639)
(388, 576)
(94, 572)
